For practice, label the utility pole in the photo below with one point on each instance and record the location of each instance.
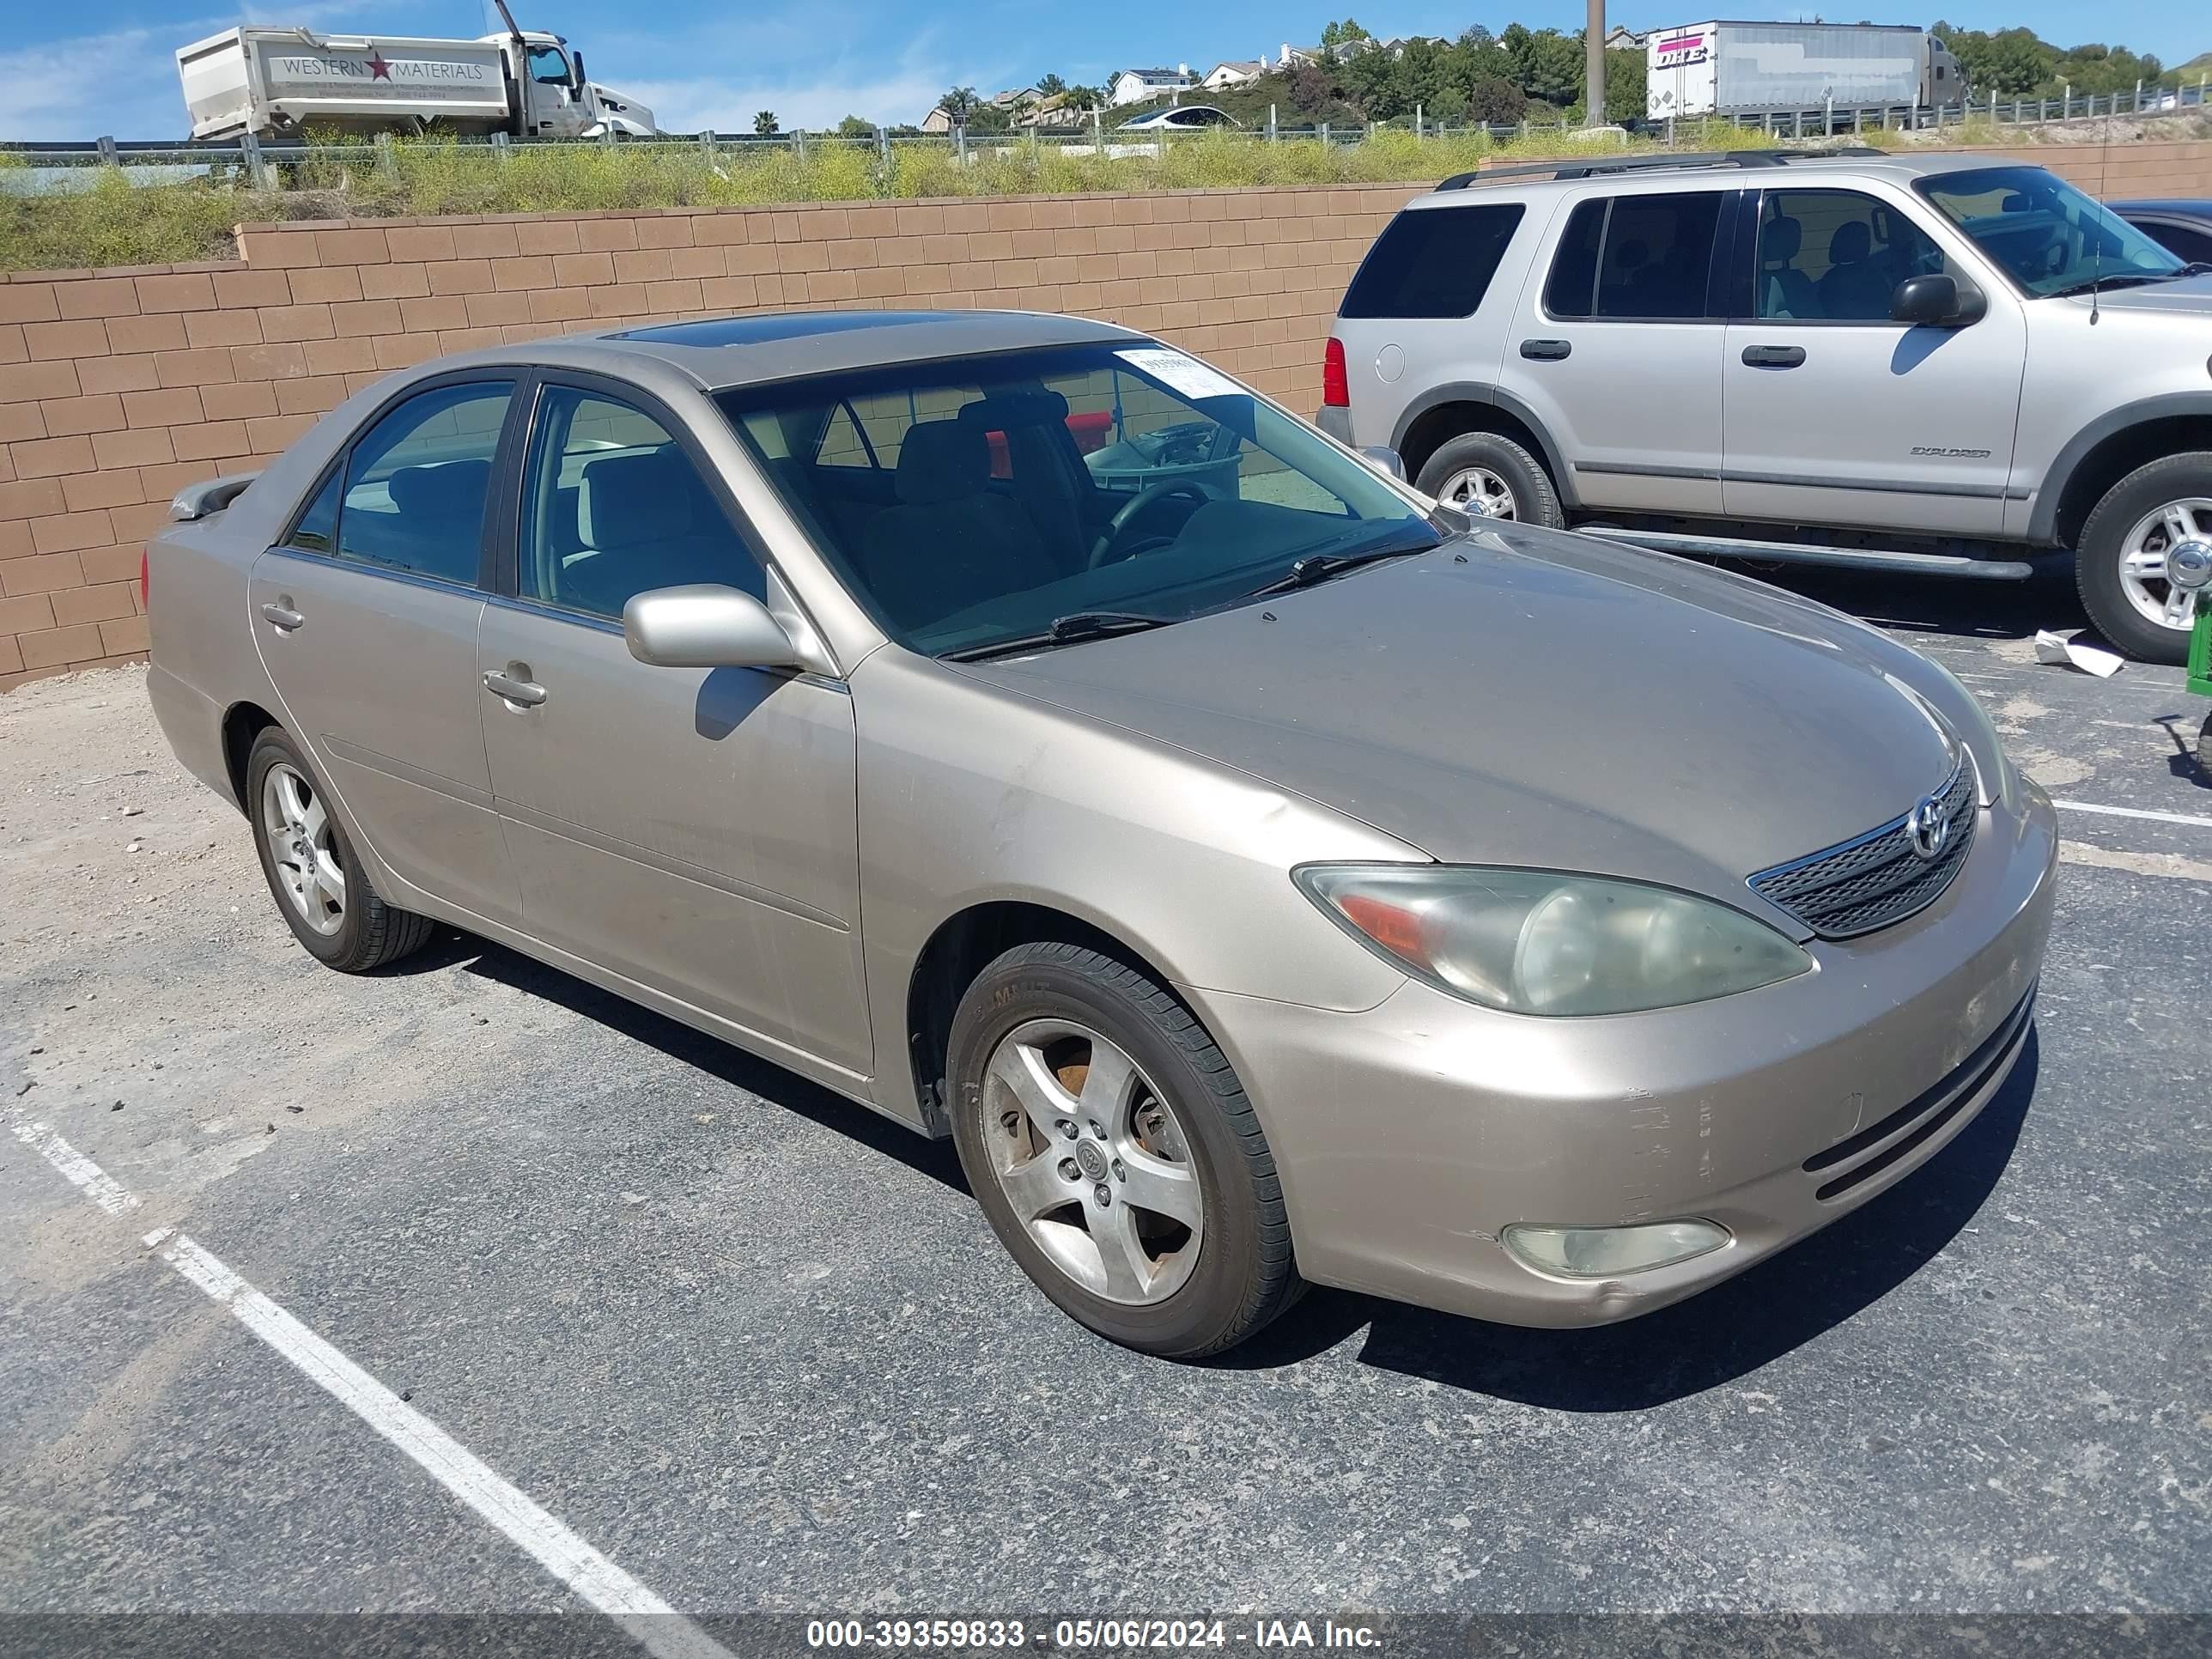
(1594, 65)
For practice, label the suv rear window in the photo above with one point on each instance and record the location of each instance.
(1644, 258)
(1433, 262)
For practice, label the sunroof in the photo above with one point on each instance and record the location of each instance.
(761, 327)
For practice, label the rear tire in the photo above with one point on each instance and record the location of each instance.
(1202, 1257)
(1478, 462)
(2115, 551)
(320, 888)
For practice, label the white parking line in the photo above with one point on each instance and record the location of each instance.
(650, 1621)
(2135, 813)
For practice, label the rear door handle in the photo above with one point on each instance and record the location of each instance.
(1772, 356)
(514, 691)
(282, 617)
(1546, 351)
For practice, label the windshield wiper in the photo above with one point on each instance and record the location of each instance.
(1065, 630)
(2117, 279)
(1320, 567)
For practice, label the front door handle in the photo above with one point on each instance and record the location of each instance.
(279, 615)
(525, 691)
(1544, 351)
(1771, 356)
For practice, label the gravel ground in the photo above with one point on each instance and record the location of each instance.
(757, 1346)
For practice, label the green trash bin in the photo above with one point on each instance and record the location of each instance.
(2189, 567)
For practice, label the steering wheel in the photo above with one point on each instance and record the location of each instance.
(1102, 548)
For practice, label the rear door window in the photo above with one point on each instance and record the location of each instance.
(1433, 262)
(1636, 259)
(416, 482)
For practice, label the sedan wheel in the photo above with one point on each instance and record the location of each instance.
(1093, 1162)
(310, 868)
(1478, 489)
(1113, 1152)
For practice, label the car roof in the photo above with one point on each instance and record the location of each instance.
(1730, 169)
(2185, 207)
(753, 348)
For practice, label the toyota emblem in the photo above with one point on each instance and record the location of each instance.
(1929, 828)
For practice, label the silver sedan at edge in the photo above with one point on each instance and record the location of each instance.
(1264, 874)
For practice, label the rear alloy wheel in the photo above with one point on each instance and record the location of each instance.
(319, 886)
(2154, 525)
(1489, 476)
(1115, 1154)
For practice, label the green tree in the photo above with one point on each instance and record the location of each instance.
(1495, 101)
(959, 101)
(856, 126)
(1624, 99)
(764, 123)
(1048, 85)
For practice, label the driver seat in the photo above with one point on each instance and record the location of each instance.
(951, 541)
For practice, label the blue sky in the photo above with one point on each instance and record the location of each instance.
(701, 63)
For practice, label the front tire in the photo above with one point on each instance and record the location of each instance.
(2119, 565)
(320, 888)
(1489, 470)
(1114, 1153)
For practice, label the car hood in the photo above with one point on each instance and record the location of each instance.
(1529, 697)
(2188, 296)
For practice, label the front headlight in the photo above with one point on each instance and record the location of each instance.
(1532, 943)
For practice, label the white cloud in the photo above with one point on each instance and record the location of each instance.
(729, 106)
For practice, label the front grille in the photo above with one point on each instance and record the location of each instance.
(1934, 1107)
(1876, 878)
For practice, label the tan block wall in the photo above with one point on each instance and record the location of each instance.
(117, 388)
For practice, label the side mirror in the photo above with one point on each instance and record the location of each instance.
(705, 626)
(576, 69)
(1385, 459)
(1936, 302)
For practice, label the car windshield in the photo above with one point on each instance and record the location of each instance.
(2048, 237)
(975, 502)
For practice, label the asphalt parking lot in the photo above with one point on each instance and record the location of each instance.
(759, 1350)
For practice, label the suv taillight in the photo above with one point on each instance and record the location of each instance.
(1336, 389)
(145, 582)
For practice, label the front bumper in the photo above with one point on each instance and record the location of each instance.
(1411, 1135)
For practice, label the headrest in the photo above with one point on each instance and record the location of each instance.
(942, 461)
(634, 499)
(1001, 411)
(1851, 243)
(453, 490)
(1779, 242)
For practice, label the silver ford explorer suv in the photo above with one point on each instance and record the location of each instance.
(1834, 357)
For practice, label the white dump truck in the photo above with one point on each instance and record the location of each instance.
(1738, 68)
(278, 82)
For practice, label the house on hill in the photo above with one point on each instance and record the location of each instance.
(1139, 85)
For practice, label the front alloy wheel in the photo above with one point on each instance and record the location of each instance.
(2175, 533)
(1093, 1162)
(1114, 1153)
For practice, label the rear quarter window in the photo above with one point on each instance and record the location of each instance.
(1432, 262)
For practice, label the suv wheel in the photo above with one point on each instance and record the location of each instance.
(1114, 1153)
(2121, 566)
(1487, 471)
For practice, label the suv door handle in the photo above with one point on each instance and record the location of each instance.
(514, 691)
(282, 617)
(1771, 356)
(1546, 351)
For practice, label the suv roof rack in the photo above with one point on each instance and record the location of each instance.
(1712, 158)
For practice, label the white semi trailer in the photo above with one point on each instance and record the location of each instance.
(277, 82)
(1738, 68)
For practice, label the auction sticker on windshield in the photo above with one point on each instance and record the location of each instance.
(1180, 373)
